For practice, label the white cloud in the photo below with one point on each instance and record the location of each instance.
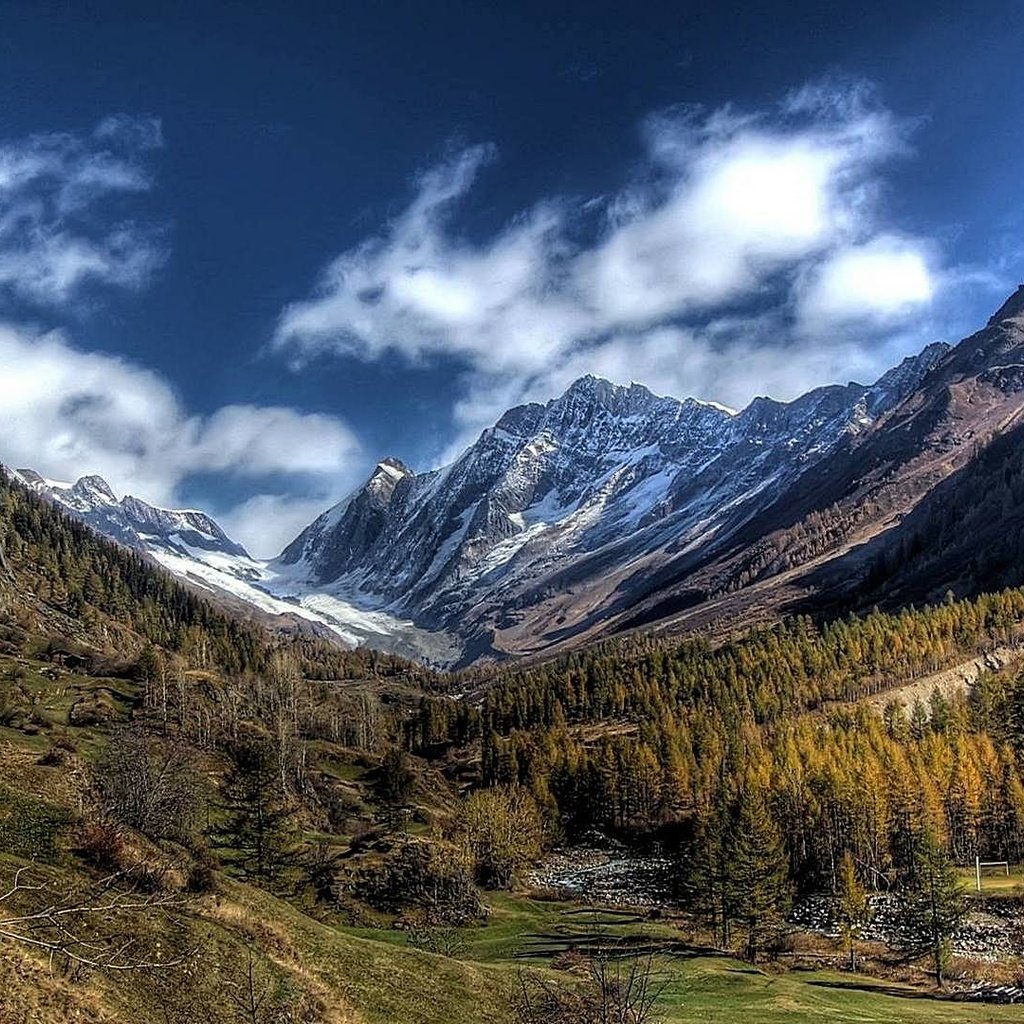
(781, 208)
(882, 279)
(258, 440)
(50, 186)
(66, 412)
(272, 521)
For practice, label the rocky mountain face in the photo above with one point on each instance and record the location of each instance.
(538, 528)
(929, 499)
(133, 522)
(611, 508)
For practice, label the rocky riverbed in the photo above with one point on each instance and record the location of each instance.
(605, 874)
(610, 874)
(993, 931)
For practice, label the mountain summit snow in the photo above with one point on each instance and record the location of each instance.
(572, 495)
(133, 522)
(610, 507)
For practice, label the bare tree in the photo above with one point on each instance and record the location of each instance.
(253, 996)
(151, 786)
(617, 989)
(95, 927)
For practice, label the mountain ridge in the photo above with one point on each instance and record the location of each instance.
(556, 482)
(610, 507)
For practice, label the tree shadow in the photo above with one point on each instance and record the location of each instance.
(872, 988)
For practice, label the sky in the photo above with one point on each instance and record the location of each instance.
(247, 250)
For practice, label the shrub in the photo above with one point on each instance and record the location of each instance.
(30, 827)
(202, 873)
(149, 786)
(102, 845)
(499, 831)
(428, 877)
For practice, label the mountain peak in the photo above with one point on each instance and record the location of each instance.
(393, 468)
(94, 487)
(589, 393)
(1013, 307)
(591, 386)
(382, 482)
(31, 477)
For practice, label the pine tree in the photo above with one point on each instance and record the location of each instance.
(758, 879)
(255, 834)
(933, 906)
(396, 784)
(704, 878)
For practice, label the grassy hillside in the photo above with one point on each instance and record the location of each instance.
(203, 824)
(312, 971)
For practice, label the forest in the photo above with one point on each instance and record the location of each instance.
(349, 783)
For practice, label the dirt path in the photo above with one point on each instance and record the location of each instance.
(950, 681)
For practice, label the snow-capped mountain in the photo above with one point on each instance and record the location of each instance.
(190, 544)
(610, 507)
(133, 522)
(565, 496)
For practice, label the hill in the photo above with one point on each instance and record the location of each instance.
(203, 821)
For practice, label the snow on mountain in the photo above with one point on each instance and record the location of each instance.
(133, 522)
(554, 495)
(567, 506)
(192, 546)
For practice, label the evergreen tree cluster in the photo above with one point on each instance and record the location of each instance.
(646, 737)
(110, 590)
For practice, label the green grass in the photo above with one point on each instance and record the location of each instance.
(375, 976)
(30, 827)
(993, 880)
(714, 990)
(36, 699)
(525, 934)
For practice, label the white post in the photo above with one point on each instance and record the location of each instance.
(977, 871)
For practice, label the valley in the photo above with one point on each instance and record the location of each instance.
(511, 514)
(609, 509)
(380, 856)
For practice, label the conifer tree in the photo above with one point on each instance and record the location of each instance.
(396, 784)
(704, 876)
(758, 881)
(933, 906)
(854, 908)
(255, 834)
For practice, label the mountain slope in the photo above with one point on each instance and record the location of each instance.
(862, 528)
(192, 546)
(552, 505)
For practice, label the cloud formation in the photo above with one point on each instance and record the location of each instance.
(64, 211)
(779, 210)
(65, 200)
(67, 412)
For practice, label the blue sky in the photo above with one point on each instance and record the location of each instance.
(247, 250)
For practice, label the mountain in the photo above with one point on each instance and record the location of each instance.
(923, 502)
(611, 508)
(192, 546)
(549, 520)
(133, 522)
